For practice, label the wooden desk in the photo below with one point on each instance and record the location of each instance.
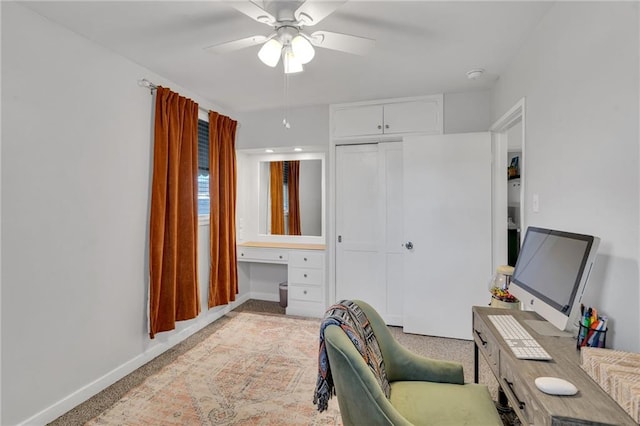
(590, 406)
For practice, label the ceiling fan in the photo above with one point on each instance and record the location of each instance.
(288, 40)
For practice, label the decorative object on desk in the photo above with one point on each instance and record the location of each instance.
(618, 374)
(592, 329)
(502, 277)
(499, 288)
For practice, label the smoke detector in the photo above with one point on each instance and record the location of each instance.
(475, 73)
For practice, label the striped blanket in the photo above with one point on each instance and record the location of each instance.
(348, 316)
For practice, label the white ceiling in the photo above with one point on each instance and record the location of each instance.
(422, 47)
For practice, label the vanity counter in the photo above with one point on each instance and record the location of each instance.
(292, 246)
(305, 265)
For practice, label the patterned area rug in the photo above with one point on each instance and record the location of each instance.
(255, 370)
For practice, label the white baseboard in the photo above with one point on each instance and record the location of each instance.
(81, 395)
(269, 297)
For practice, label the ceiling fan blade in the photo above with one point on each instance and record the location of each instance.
(253, 10)
(342, 42)
(230, 46)
(311, 12)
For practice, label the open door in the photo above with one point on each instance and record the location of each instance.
(447, 228)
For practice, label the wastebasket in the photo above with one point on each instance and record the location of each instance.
(283, 287)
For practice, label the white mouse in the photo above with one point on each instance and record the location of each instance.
(555, 386)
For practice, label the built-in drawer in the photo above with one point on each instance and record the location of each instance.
(305, 276)
(306, 259)
(521, 400)
(486, 343)
(307, 293)
(266, 255)
(306, 308)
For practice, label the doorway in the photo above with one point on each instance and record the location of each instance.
(509, 219)
(514, 189)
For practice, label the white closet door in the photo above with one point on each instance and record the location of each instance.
(391, 206)
(369, 227)
(358, 259)
(447, 218)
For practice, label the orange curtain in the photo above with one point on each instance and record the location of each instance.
(294, 198)
(277, 197)
(173, 287)
(223, 273)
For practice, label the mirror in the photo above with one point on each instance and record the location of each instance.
(279, 200)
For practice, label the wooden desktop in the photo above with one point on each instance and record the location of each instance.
(590, 406)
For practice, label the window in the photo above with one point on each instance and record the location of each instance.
(203, 168)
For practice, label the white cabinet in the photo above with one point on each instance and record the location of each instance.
(358, 120)
(305, 266)
(389, 117)
(306, 283)
(262, 255)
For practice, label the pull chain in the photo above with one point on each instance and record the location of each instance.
(285, 120)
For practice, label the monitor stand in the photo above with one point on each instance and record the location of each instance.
(545, 328)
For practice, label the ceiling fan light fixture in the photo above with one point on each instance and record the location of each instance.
(302, 49)
(270, 52)
(291, 63)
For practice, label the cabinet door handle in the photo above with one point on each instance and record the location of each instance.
(305, 292)
(386, 126)
(305, 259)
(510, 386)
(280, 256)
(379, 126)
(305, 275)
(484, 342)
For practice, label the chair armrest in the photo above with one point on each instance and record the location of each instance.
(403, 365)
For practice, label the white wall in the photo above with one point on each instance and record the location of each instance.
(76, 155)
(467, 112)
(264, 129)
(463, 112)
(579, 74)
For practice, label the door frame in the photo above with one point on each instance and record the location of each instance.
(512, 117)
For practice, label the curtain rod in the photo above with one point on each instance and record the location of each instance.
(149, 85)
(146, 83)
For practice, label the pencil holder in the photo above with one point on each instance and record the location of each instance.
(591, 337)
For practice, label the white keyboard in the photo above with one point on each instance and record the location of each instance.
(518, 339)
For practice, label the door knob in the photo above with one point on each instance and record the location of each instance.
(409, 245)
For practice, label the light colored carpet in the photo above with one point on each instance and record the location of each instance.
(435, 347)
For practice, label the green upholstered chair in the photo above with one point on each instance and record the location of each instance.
(423, 391)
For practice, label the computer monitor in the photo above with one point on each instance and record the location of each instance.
(551, 274)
